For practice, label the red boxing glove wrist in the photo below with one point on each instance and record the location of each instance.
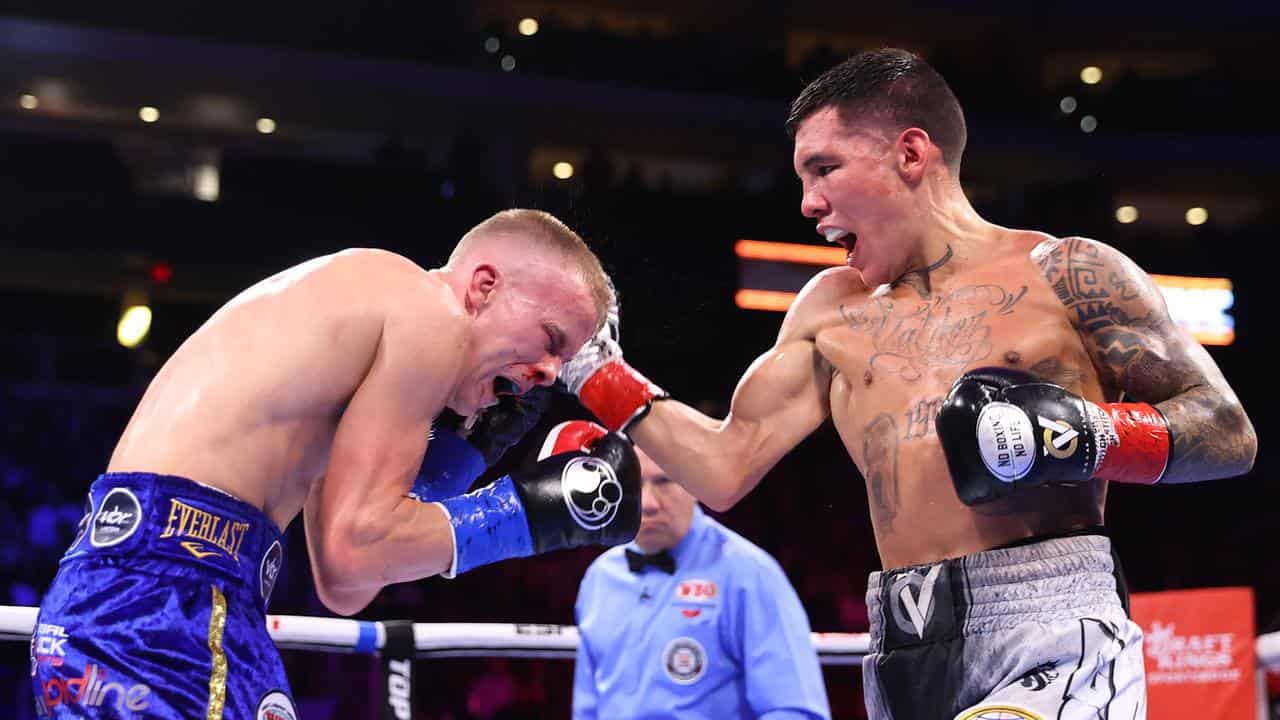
(1141, 451)
(617, 393)
(569, 436)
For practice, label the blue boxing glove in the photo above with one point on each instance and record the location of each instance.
(570, 499)
(459, 452)
(449, 468)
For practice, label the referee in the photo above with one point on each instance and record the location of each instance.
(691, 621)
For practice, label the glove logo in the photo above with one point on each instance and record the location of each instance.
(1006, 441)
(591, 492)
(1062, 445)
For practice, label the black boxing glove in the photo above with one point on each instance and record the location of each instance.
(567, 500)
(459, 453)
(595, 500)
(1003, 429)
(500, 427)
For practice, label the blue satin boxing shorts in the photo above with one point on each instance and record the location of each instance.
(158, 609)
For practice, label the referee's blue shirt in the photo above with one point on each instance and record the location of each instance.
(724, 636)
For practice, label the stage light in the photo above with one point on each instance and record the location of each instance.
(1067, 105)
(774, 300)
(491, 45)
(508, 63)
(29, 101)
(1091, 75)
(134, 325)
(1201, 305)
(562, 170)
(266, 125)
(528, 27)
(823, 255)
(771, 273)
(148, 114)
(1088, 123)
(161, 273)
(205, 182)
(1126, 214)
(1197, 216)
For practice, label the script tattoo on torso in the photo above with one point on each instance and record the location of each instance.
(951, 329)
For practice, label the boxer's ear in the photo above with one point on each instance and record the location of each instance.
(482, 287)
(913, 154)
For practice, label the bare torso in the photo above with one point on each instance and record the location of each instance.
(249, 404)
(895, 352)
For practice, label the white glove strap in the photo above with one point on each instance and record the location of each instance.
(1104, 431)
(597, 352)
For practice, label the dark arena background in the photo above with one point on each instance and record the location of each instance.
(167, 155)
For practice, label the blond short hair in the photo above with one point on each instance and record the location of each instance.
(545, 231)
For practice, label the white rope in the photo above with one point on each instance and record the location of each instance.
(299, 632)
(17, 622)
(1269, 651)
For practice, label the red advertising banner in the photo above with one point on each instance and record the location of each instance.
(1199, 652)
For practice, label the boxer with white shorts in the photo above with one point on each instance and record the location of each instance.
(975, 375)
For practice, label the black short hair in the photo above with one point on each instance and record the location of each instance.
(895, 85)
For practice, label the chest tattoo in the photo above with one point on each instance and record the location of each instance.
(950, 329)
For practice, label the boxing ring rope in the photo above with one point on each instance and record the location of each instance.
(443, 640)
(438, 639)
(519, 640)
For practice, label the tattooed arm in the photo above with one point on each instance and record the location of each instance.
(1135, 346)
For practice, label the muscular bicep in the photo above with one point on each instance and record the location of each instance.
(786, 393)
(782, 398)
(382, 434)
(1139, 349)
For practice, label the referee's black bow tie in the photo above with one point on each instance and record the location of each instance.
(661, 560)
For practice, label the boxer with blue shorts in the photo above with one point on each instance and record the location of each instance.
(365, 393)
(159, 607)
